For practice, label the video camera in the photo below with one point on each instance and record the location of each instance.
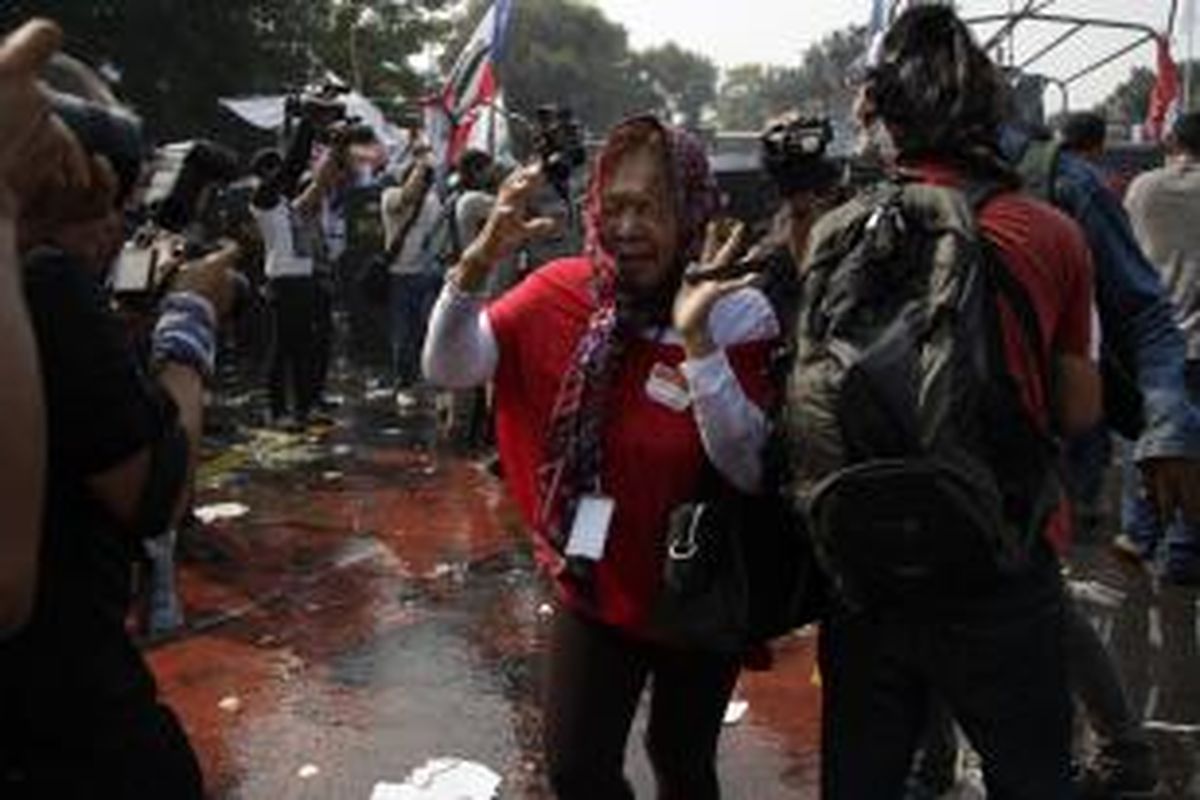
(558, 140)
(319, 106)
(184, 184)
(794, 155)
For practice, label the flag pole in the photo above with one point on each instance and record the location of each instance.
(1189, 19)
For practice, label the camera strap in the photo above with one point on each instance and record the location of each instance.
(397, 246)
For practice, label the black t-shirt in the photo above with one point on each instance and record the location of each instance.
(101, 409)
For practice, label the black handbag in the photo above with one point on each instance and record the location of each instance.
(738, 570)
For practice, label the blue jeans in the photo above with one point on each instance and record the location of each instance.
(1140, 521)
(411, 301)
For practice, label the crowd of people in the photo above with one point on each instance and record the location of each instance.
(924, 372)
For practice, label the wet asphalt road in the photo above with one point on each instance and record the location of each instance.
(378, 607)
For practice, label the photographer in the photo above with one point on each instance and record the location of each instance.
(411, 213)
(809, 183)
(79, 707)
(288, 218)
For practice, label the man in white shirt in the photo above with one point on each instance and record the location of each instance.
(1164, 207)
(411, 213)
(288, 219)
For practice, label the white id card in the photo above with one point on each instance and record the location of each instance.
(589, 532)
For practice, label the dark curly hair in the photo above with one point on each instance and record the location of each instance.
(938, 92)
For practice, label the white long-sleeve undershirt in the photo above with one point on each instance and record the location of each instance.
(461, 351)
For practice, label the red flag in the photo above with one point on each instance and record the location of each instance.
(471, 91)
(1164, 100)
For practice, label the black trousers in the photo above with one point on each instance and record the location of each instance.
(294, 355)
(323, 334)
(1002, 675)
(596, 678)
(135, 750)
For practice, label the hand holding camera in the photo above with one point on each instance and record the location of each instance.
(559, 143)
(212, 277)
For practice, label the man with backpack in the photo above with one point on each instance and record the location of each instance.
(943, 341)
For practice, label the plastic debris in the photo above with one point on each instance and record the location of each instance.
(735, 711)
(1096, 593)
(333, 475)
(342, 450)
(230, 704)
(217, 512)
(443, 779)
(308, 771)
(1177, 728)
(545, 610)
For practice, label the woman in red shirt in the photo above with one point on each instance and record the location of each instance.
(616, 386)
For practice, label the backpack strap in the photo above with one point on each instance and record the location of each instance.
(1008, 287)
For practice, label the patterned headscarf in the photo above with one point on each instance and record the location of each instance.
(572, 466)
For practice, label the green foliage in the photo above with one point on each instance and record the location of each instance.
(567, 53)
(685, 82)
(751, 94)
(1129, 103)
(176, 57)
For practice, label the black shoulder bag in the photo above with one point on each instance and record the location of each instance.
(374, 277)
(738, 570)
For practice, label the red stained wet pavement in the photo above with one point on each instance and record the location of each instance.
(378, 607)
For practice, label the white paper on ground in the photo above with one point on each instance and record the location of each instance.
(735, 711)
(443, 779)
(219, 511)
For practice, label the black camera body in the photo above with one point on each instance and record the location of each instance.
(320, 107)
(794, 155)
(183, 173)
(558, 140)
(183, 186)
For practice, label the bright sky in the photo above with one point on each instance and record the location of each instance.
(777, 31)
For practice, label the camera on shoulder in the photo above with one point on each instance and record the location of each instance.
(795, 154)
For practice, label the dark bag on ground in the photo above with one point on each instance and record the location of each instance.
(921, 473)
(739, 570)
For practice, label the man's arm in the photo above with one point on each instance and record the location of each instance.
(1138, 322)
(1080, 404)
(22, 445)
(1136, 317)
(283, 184)
(24, 124)
(328, 172)
(150, 486)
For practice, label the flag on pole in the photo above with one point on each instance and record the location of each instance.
(467, 112)
(875, 30)
(1165, 99)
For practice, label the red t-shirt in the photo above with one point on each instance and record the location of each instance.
(1046, 251)
(652, 454)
